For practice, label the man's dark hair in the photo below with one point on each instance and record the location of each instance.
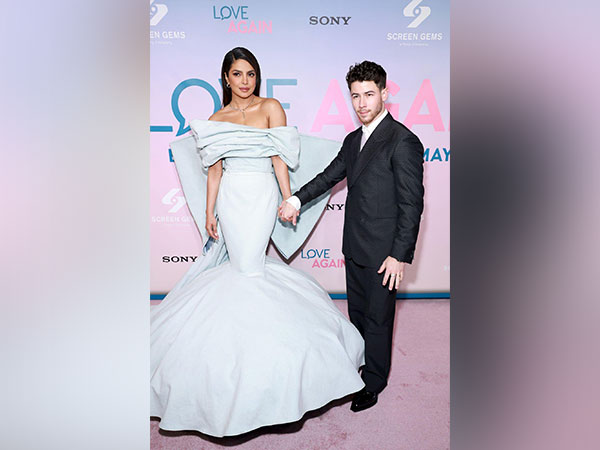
(367, 71)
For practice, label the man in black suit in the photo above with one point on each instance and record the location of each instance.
(383, 163)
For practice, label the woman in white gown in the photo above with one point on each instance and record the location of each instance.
(243, 340)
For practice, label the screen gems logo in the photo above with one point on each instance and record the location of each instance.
(175, 203)
(422, 12)
(157, 12)
(171, 198)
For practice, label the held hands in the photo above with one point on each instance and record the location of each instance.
(394, 271)
(211, 226)
(287, 212)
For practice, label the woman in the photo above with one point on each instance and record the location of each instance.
(244, 341)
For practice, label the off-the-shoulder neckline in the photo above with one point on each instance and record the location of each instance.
(241, 125)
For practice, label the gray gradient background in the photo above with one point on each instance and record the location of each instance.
(75, 229)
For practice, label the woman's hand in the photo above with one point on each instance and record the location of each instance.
(211, 226)
(287, 212)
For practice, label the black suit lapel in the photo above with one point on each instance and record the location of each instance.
(371, 148)
(353, 154)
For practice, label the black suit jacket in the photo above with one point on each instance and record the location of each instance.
(385, 192)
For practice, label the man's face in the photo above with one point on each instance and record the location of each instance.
(367, 100)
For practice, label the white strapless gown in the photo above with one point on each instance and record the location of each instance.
(250, 342)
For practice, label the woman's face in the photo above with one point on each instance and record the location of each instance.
(241, 78)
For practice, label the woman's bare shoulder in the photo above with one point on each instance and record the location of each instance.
(218, 116)
(271, 105)
(274, 112)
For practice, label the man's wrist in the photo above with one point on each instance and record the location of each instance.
(295, 202)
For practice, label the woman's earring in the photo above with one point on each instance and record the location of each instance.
(227, 84)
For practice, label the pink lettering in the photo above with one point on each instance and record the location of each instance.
(264, 26)
(244, 27)
(333, 96)
(425, 96)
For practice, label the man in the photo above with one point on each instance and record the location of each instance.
(383, 164)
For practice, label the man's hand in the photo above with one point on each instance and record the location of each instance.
(287, 212)
(394, 271)
(211, 226)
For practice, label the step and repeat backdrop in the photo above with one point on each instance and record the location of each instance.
(304, 50)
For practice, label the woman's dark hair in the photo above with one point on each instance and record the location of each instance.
(367, 71)
(230, 57)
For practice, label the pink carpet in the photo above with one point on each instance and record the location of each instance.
(412, 413)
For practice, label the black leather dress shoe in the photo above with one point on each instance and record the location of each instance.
(363, 399)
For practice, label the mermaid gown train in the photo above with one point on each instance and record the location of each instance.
(245, 341)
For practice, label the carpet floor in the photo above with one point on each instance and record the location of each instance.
(412, 413)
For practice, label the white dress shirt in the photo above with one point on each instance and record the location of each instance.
(367, 130)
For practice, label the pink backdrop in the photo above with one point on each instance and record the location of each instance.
(304, 51)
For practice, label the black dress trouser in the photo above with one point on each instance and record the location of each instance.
(371, 308)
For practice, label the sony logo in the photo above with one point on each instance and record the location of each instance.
(334, 206)
(328, 20)
(176, 259)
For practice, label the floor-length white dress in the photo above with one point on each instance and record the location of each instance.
(251, 341)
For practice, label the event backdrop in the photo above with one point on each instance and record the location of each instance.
(304, 49)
